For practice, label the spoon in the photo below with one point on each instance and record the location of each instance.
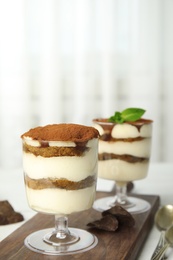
(163, 220)
(164, 217)
(168, 243)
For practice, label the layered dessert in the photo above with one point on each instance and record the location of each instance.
(60, 167)
(124, 149)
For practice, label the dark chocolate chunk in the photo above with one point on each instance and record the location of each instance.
(123, 216)
(130, 186)
(107, 223)
(5, 207)
(3, 219)
(15, 217)
(8, 215)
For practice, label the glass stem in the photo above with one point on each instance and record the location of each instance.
(61, 234)
(121, 190)
(61, 227)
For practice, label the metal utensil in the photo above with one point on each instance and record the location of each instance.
(163, 220)
(168, 243)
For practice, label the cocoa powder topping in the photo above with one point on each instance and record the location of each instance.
(62, 132)
(106, 125)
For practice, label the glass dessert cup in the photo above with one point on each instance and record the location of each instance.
(62, 240)
(124, 153)
(58, 195)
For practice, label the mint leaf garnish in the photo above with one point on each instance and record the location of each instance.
(116, 118)
(127, 115)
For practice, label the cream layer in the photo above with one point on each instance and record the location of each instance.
(127, 131)
(71, 168)
(119, 170)
(137, 148)
(60, 201)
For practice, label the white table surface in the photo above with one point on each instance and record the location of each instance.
(158, 182)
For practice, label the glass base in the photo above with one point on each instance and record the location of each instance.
(86, 241)
(137, 205)
(65, 239)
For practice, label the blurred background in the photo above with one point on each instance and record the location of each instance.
(74, 60)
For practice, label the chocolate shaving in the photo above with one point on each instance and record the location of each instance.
(123, 216)
(8, 215)
(108, 223)
(113, 219)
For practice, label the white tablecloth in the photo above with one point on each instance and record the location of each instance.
(158, 182)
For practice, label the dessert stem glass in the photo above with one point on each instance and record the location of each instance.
(62, 240)
(61, 234)
(121, 197)
(50, 190)
(124, 153)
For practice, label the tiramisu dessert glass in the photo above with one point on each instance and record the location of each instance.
(60, 172)
(124, 153)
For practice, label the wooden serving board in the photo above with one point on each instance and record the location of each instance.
(124, 244)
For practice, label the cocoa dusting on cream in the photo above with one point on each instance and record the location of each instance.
(62, 132)
(108, 126)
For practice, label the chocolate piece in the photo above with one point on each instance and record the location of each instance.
(123, 216)
(3, 219)
(107, 223)
(130, 186)
(8, 215)
(15, 217)
(6, 208)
